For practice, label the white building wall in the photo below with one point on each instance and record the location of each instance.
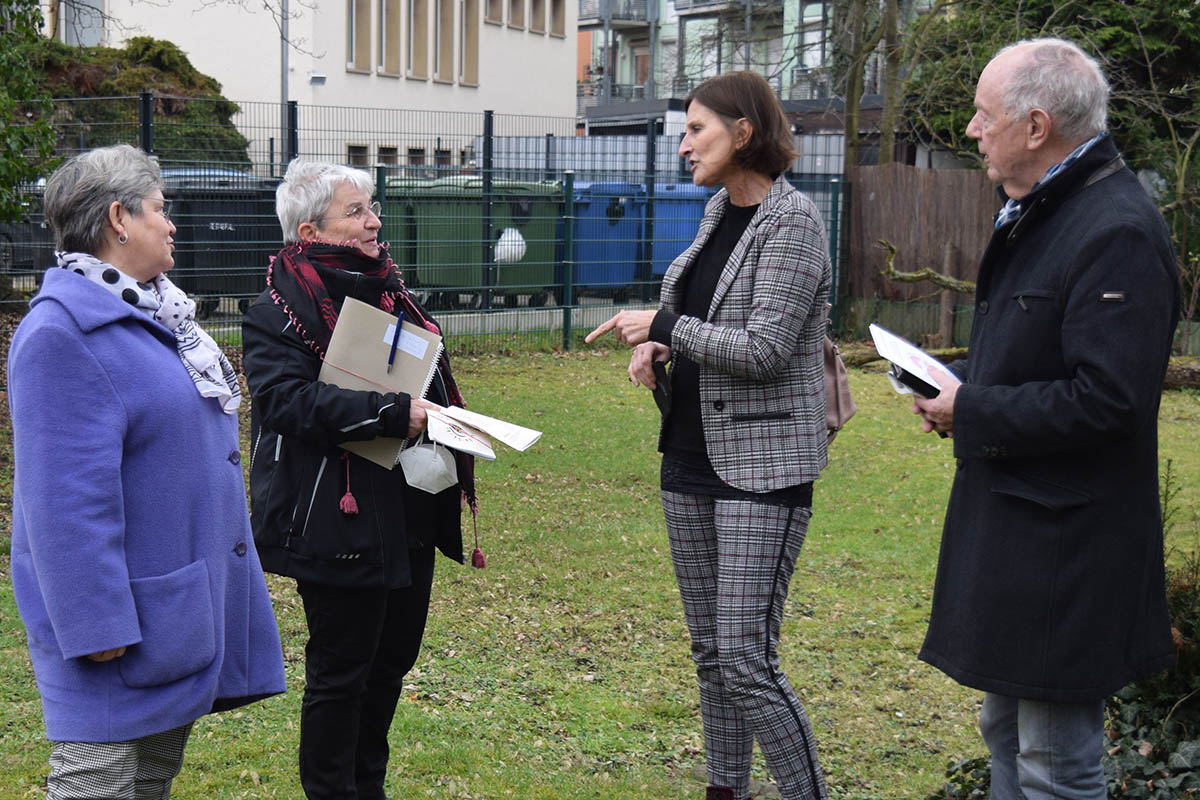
(520, 71)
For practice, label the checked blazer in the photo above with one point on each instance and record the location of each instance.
(762, 395)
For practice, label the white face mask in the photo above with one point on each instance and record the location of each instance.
(429, 467)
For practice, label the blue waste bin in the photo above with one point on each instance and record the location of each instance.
(678, 208)
(608, 235)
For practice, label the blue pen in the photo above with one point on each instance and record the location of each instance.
(395, 340)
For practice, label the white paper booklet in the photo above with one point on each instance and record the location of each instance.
(912, 368)
(445, 430)
(514, 436)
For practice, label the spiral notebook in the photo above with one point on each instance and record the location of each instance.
(357, 358)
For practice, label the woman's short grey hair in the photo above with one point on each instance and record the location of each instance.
(307, 190)
(80, 192)
(1062, 80)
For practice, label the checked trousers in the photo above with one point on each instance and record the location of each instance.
(733, 560)
(139, 769)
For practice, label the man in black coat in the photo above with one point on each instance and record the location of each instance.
(1050, 591)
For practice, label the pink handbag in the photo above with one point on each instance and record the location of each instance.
(839, 404)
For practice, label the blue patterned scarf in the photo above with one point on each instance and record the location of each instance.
(1012, 209)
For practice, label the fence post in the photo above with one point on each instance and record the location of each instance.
(835, 193)
(489, 265)
(381, 194)
(568, 254)
(549, 156)
(645, 270)
(293, 133)
(146, 121)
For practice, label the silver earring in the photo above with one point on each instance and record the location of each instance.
(123, 238)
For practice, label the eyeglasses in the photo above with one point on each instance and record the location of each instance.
(165, 210)
(356, 212)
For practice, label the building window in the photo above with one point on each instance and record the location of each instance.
(709, 48)
(493, 11)
(389, 156)
(358, 35)
(641, 65)
(357, 155)
(443, 41)
(80, 23)
(558, 17)
(516, 13)
(468, 44)
(388, 46)
(813, 35)
(416, 160)
(537, 16)
(418, 38)
(441, 158)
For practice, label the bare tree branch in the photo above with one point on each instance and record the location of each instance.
(924, 274)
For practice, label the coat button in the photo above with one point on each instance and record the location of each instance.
(983, 306)
(240, 548)
(235, 457)
(719, 405)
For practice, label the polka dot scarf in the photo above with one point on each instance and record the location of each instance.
(167, 304)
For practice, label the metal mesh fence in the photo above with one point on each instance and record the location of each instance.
(517, 232)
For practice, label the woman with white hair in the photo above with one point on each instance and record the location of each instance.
(356, 537)
(144, 603)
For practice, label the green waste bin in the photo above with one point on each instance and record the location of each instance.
(399, 227)
(445, 236)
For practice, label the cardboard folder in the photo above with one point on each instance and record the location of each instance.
(357, 358)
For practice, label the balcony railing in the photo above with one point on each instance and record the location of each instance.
(591, 93)
(592, 11)
(701, 6)
(809, 83)
(814, 84)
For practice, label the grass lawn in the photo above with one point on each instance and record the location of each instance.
(562, 670)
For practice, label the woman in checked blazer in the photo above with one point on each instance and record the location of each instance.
(741, 322)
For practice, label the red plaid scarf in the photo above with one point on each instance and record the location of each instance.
(296, 285)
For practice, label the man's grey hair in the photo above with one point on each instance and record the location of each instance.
(80, 192)
(1062, 80)
(307, 190)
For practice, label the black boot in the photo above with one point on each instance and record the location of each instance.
(718, 793)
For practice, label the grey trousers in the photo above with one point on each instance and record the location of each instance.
(733, 561)
(140, 769)
(1044, 751)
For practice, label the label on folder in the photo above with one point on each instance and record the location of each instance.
(409, 343)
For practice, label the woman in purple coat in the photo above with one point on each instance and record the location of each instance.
(132, 559)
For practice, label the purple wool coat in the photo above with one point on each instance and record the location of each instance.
(129, 525)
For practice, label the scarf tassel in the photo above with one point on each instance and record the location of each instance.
(478, 559)
(348, 504)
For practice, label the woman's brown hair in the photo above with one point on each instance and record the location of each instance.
(747, 94)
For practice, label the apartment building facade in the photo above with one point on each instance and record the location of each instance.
(440, 57)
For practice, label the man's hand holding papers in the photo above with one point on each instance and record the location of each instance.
(917, 373)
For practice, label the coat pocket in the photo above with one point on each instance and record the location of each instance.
(175, 613)
(1048, 494)
(765, 417)
(1028, 299)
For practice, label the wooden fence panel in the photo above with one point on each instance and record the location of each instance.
(922, 212)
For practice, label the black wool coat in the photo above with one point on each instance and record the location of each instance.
(1050, 582)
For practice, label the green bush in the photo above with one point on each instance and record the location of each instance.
(193, 123)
